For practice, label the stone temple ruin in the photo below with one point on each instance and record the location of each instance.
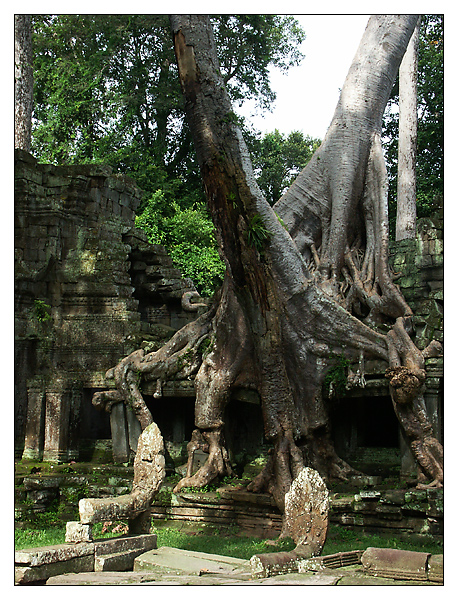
(90, 289)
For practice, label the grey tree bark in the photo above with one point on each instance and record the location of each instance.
(23, 82)
(307, 280)
(406, 214)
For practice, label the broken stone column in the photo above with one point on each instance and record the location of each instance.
(305, 521)
(149, 473)
(56, 423)
(396, 564)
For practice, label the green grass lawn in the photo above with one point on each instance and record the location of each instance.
(227, 541)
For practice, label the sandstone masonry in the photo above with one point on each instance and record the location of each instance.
(89, 289)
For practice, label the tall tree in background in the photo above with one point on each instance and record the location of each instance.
(278, 159)
(23, 82)
(106, 89)
(307, 280)
(406, 214)
(430, 126)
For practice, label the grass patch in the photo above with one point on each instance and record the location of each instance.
(228, 542)
(341, 539)
(51, 536)
(223, 541)
(35, 538)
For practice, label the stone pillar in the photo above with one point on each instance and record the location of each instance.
(408, 461)
(134, 430)
(119, 433)
(178, 428)
(34, 431)
(432, 398)
(57, 423)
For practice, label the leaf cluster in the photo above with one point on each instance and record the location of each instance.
(257, 233)
(278, 159)
(189, 236)
(335, 380)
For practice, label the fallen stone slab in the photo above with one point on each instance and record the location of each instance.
(342, 577)
(135, 578)
(39, 564)
(36, 557)
(331, 561)
(361, 579)
(396, 564)
(297, 579)
(125, 543)
(24, 575)
(102, 578)
(167, 561)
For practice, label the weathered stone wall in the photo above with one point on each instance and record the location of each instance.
(419, 266)
(81, 293)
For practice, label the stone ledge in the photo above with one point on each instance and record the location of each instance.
(38, 564)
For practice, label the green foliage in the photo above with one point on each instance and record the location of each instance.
(430, 141)
(41, 311)
(35, 538)
(248, 45)
(335, 380)
(257, 234)
(278, 159)
(188, 234)
(54, 534)
(206, 347)
(342, 539)
(106, 90)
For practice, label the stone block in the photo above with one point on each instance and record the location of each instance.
(83, 564)
(436, 568)
(125, 544)
(78, 532)
(122, 561)
(36, 557)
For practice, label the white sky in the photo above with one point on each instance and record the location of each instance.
(308, 94)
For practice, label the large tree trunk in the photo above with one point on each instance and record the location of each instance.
(406, 214)
(306, 281)
(23, 82)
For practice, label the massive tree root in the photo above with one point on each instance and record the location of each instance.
(306, 281)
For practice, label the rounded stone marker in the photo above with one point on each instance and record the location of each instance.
(306, 509)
